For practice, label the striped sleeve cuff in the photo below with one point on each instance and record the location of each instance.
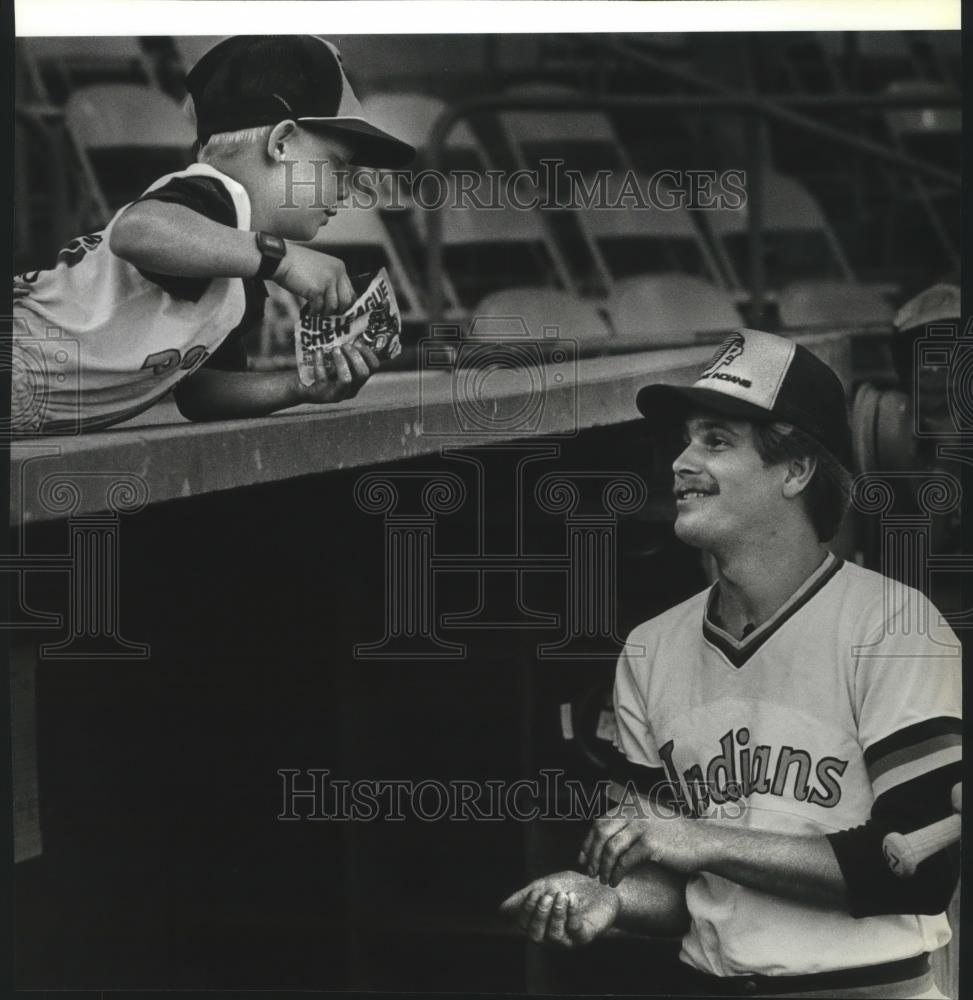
(913, 752)
(912, 772)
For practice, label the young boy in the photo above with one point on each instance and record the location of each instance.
(161, 298)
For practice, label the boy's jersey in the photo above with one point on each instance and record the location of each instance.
(778, 731)
(98, 340)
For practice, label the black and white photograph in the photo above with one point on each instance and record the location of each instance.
(485, 489)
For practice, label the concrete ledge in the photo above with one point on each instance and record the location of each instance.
(397, 416)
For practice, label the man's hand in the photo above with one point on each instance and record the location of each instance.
(353, 366)
(618, 843)
(317, 277)
(566, 909)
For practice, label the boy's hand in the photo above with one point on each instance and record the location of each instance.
(317, 277)
(566, 909)
(353, 366)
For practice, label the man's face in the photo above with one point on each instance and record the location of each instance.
(318, 178)
(724, 493)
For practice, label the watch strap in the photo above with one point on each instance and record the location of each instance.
(272, 251)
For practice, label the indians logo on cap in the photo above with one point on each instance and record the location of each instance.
(728, 351)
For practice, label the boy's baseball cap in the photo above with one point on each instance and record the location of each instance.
(760, 376)
(253, 80)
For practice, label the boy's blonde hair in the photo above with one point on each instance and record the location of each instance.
(223, 145)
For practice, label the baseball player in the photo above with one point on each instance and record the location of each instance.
(162, 297)
(779, 725)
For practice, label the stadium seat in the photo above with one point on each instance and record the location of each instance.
(584, 140)
(575, 140)
(271, 347)
(640, 237)
(191, 48)
(662, 310)
(359, 238)
(125, 136)
(412, 117)
(59, 65)
(486, 250)
(799, 242)
(546, 310)
(831, 303)
(121, 115)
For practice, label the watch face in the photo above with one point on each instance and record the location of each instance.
(271, 245)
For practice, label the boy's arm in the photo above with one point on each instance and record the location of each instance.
(173, 239)
(214, 394)
(653, 901)
(569, 909)
(169, 238)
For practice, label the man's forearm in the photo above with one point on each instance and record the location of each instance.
(210, 394)
(799, 868)
(792, 867)
(653, 902)
(173, 239)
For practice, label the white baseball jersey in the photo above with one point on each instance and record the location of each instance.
(851, 690)
(99, 340)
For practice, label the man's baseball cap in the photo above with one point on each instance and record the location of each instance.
(253, 80)
(760, 376)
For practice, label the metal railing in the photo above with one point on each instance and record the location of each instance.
(758, 111)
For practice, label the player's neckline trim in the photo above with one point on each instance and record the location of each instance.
(738, 651)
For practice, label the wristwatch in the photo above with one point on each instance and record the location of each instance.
(272, 251)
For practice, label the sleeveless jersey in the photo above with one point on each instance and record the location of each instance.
(96, 340)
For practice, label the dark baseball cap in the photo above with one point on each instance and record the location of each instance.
(762, 377)
(253, 80)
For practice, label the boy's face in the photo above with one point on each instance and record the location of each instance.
(309, 182)
(724, 493)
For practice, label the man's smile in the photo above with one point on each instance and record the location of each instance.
(684, 494)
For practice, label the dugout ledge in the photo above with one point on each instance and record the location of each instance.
(399, 415)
